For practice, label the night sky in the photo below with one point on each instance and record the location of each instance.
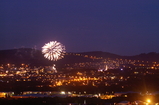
(124, 27)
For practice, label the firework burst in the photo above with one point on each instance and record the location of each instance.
(53, 50)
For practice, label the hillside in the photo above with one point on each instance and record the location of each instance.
(35, 57)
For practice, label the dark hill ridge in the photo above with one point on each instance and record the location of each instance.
(101, 54)
(35, 57)
(151, 57)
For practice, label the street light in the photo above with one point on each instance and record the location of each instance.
(148, 101)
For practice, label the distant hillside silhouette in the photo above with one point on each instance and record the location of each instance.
(35, 57)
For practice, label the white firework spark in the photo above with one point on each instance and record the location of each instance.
(53, 50)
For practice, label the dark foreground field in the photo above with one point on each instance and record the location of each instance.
(56, 101)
